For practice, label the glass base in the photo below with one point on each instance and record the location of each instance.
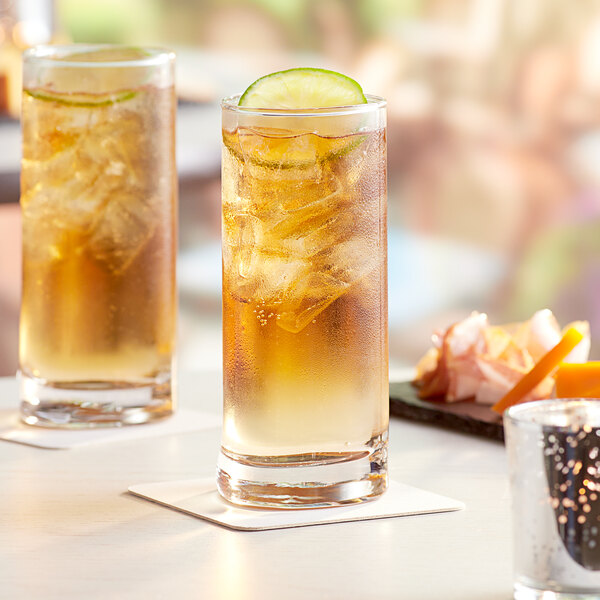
(89, 404)
(315, 480)
(524, 592)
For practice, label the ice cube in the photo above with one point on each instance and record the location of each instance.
(255, 266)
(328, 276)
(249, 237)
(311, 296)
(315, 227)
(353, 258)
(126, 224)
(269, 280)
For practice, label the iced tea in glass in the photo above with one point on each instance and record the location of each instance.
(98, 198)
(304, 305)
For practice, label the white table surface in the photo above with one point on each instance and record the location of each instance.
(68, 529)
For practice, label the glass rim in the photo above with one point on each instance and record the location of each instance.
(373, 103)
(45, 54)
(540, 412)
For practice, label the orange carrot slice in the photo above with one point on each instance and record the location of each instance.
(541, 369)
(578, 380)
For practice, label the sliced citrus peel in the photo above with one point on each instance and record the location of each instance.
(303, 88)
(81, 100)
(540, 370)
(293, 140)
(578, 380)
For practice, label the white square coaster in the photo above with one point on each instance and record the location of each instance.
(13, 430)
(199, 498)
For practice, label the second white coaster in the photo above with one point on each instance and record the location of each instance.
(12, 429)
(199, 498)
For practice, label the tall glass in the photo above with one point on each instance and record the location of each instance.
(98, 198)
(304, 305)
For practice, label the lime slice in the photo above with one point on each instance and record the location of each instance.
(265, 148)
(84, 100)
(303, 88)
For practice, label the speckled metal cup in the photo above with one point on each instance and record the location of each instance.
(554, 460)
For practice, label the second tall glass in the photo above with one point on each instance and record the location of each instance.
(99, 204)
(304, 305)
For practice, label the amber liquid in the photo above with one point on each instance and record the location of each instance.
(98, 199)
(304, 293)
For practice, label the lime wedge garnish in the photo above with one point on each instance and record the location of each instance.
(303, 88)
(85, 100)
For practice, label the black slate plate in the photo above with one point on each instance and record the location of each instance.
(464, 416)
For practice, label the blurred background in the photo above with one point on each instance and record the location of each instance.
(493, 137)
